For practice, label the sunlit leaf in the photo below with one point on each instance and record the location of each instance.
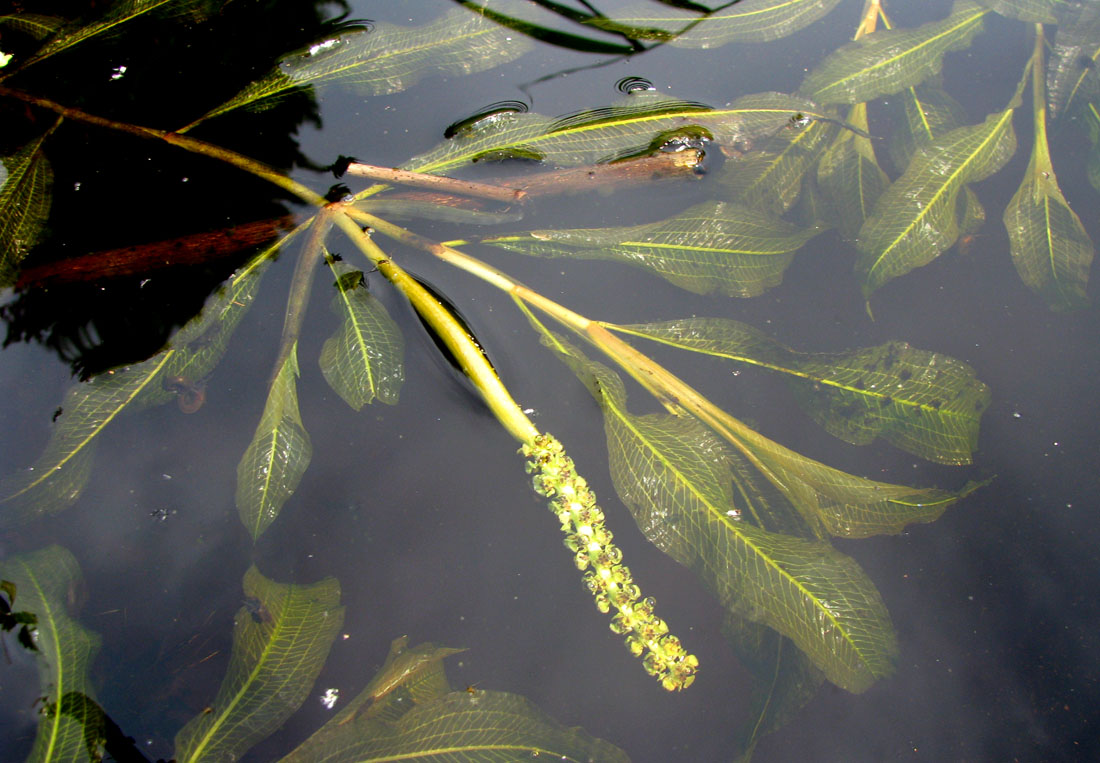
(364, 359)
(924, 402)
(927, 112)
(389, 58)
(744, 21)
(25, 183)
(712, 247)
(1072, 76)
(889, 60)
(784, 678)
(460, 726)
(1039, 11)
(1049, 245)
(66, 649)
(641, 123)
(769, 176)
(849, 175)
(281, 639)
(673, 475)
(916, 219)
(275, 460)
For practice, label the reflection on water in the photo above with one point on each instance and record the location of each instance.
(422, 510)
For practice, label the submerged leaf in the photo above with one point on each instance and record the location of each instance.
(744, 21)
(1072, 77)
(1050, 248)
(1040, 11)
(785, 679)
(712, 247)
(280, 644)
(58, 475)
(65, 653)
(389, 58)
(923, 402)
(769, 176)
(409, 712)
(25, 182)
(889, 60)
(916, 218)
(120, 12)
(363, 360)
(641, 123)
(460, 726)
(275, 460)
(928, 113)
(849, 175)
(673, 475)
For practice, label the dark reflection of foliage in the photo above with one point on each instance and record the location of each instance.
(11, 620)
(99, 325)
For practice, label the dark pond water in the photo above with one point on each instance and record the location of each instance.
(423, 511)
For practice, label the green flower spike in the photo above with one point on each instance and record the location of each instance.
(605, 577)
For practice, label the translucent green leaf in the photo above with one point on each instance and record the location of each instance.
(641, 123)
(121, 11)
(199, 345)
(58, 475)
(34, 24)
(673, 475)
(461, 726)
(1049, 245)
(1092, 121)
(1040, 11)
(889, 60)
(66, 650)
(408, 712)
(708, 248)
(923, 402)
(927, 112)
(25, 182)
(409, 676)
(769, 176)
(1072, 75)
(916, 219)
(363, 360)
(389, 58)
(784, 678)
(744, 21)
(275, 460)
(281, 639)
(849, 175)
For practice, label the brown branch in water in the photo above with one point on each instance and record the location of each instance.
(617, 174)
(448, 191)
(145, 258)
(437, 183)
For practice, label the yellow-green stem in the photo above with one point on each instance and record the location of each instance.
(460, 343)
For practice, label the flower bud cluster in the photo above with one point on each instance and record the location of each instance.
(605, 576)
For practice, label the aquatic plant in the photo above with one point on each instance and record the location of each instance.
(749, 516)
